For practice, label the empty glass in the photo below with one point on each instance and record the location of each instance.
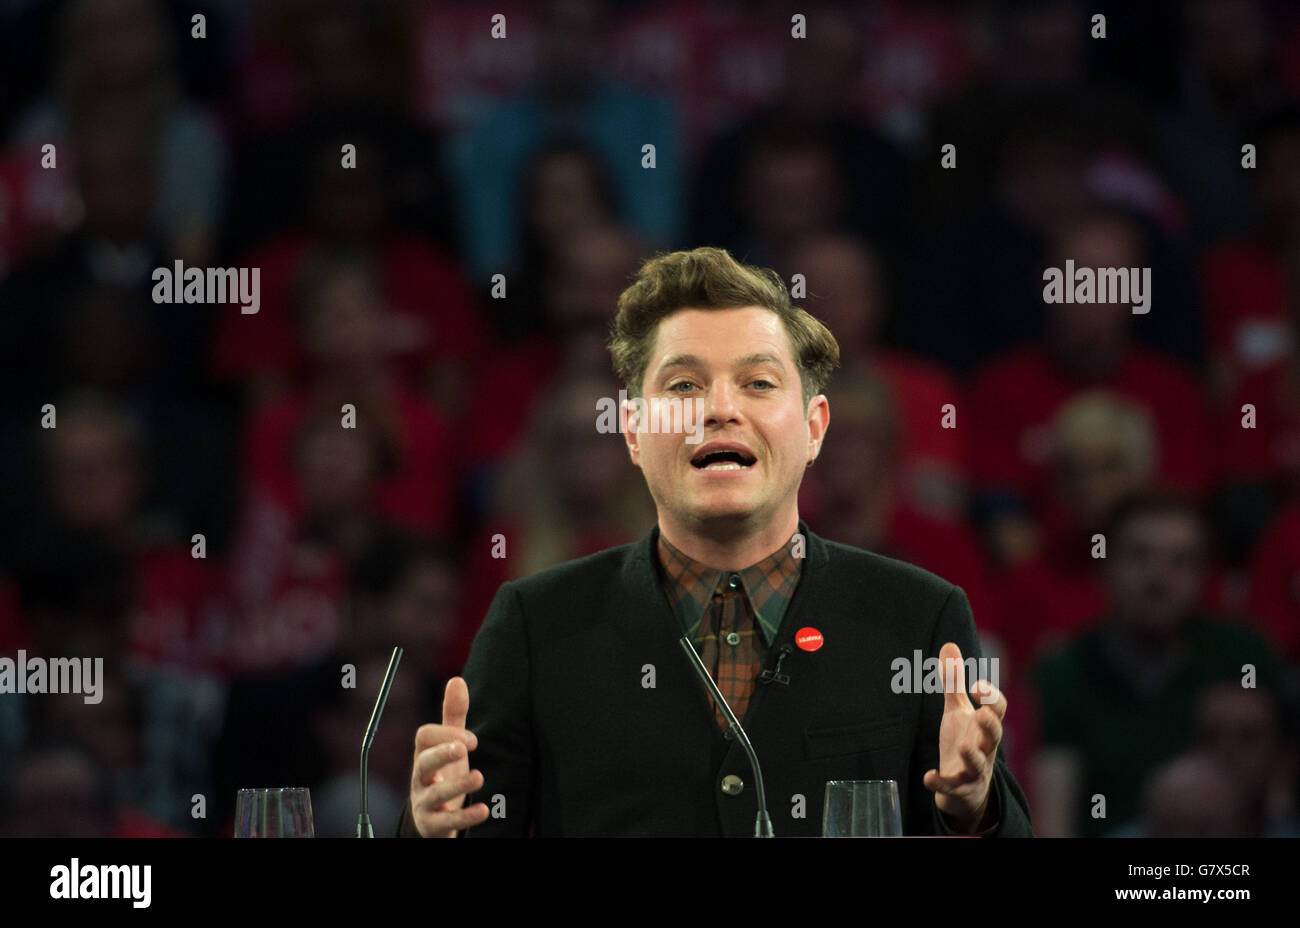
(861, 809)
(274, 813)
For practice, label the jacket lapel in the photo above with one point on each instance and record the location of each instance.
(646, 624)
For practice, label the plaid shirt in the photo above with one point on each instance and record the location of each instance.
(732, 616)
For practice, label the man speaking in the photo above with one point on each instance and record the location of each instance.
(578, 705)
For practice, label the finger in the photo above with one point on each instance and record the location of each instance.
(431, 735)
(937, 783)
(455, 703)
(429, 762)
(986, 694)
(449, 793)
(990, 730)
(435, 822)
(973, 759)
(954, 677)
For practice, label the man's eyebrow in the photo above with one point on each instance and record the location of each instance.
(761, 357)
(690, 360)
(680, 360)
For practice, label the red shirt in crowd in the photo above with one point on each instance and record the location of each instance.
(172, 620)
(1246, 299)
(1015, 398)
(433, 314)
(1271, 449)
(283, 601)
(419, 494)
(921, 390)
(504, 394)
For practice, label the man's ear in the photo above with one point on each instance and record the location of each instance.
(628, 425)
(819, 421)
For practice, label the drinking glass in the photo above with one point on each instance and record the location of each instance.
(861, 809)
(274, 813)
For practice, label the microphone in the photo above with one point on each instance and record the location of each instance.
(363, 820)
(763, 823)
(775, 676)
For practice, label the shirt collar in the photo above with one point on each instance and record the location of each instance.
(768, 584)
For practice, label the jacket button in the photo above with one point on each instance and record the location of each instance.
(732, 784)
(733, 639)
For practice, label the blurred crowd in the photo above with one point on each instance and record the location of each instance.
(1118, 493)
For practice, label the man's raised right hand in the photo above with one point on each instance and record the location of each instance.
(440, 774)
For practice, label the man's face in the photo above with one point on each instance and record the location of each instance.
(736, 367)
(1095, 328)
(95, 479)
(1238, 726)
(1092, 477)
(849, 297)
(1156, 571)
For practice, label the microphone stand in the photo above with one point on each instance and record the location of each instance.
(364, 830)
(763, 823)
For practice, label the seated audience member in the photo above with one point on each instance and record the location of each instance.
(1246, 729)
(1248, 280)
(569, 490)
(1087, 346)
(152, 745)
(1191, 796)
(431, 331)
(80, 314)
(342, 316)
(58, 788)
(125, 53)
(1048, 582)
(973, 289)
(811, 102)
(566, 192)
(1119, 699)
(1229, 70)
(580, 289)
(573, 96)
(1250, 292)
(317, 77)
(791, 189)
(102, 579)
(1258, 441)
(406, 590)
(855, 492)
(1242, 763)
(96, 481)
(846, 289)
(290, 567)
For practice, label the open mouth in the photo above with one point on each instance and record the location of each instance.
(722, 460)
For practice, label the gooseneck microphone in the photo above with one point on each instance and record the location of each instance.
(763, 823)
(363, 820)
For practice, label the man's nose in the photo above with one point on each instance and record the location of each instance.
(719, 404)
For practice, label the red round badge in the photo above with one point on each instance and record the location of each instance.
(808, 638)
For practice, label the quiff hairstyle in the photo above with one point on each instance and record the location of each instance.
(710, 278)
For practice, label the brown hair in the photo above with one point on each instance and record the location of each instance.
(710, 278)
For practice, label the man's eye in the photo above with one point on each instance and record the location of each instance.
(680, 383)
(765, 383)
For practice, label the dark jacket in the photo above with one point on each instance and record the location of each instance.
(590, 720)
